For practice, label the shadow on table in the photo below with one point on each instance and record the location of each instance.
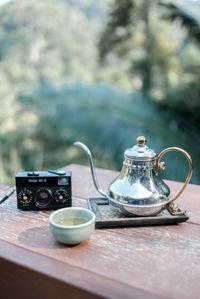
(39, 237)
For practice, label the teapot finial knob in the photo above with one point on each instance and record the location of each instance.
(141, 141)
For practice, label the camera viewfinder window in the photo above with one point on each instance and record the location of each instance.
(63, 181)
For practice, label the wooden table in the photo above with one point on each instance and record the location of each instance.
(140, 262)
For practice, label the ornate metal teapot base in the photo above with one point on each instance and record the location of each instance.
(108, 216)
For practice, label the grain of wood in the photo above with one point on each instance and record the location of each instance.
(162, 260)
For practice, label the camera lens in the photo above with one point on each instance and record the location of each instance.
(43, 198)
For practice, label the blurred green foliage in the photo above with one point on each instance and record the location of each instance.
(163, 57)
(53, 54)
(83, 112)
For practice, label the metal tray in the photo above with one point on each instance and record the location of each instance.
(108, 217)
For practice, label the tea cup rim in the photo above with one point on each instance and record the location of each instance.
(71, 227)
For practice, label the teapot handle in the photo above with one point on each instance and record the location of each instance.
(173, 208)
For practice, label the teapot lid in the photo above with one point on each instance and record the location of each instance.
(140, 151)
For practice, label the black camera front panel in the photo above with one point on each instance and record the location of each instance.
(43, 191)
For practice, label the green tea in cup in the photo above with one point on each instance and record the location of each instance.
(71, 221)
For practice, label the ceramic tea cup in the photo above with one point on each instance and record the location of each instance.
(72, 225)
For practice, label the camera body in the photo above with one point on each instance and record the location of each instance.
(43, 190)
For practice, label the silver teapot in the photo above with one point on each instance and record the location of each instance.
(139, 189)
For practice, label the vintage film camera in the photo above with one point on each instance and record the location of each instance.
(43, 190)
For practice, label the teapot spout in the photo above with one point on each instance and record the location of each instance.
(94, 177)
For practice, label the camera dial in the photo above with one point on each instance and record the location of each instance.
(61, 196)
(25, 197)
(43, 198)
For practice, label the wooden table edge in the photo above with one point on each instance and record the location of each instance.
(77, 282)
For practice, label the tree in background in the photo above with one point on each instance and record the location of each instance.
(40, 42)
(49, 48)
(129, 36)
(163, 59)
(188, 20)
(183, 98)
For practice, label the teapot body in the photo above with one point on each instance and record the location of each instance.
(139, 189)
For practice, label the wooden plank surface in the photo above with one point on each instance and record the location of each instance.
(155, 261)
(25, 274)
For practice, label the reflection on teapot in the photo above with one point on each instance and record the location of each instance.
(139, 189)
